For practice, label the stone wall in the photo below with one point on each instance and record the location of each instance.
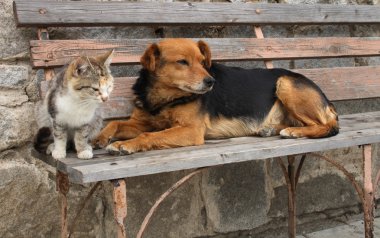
(239, 200)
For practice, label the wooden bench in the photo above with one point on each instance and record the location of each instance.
(344, 83)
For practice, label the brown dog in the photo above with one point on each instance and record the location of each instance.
(182, 99)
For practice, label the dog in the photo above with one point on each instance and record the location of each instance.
(182, 98)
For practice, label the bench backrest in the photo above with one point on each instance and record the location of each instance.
(340, 83)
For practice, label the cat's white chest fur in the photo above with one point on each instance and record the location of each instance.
(73, 112)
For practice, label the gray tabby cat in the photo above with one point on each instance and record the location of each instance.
(69, 108)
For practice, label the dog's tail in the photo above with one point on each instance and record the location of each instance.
(330, 128)
(43, 139)
(327, 130)
(327, 127)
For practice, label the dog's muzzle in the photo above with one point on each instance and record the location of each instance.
(209, 82)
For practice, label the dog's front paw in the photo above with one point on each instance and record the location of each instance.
(121, 148)
(267, 131)
(85, 154)
(100, 141)
(290, 133)
(58, 154)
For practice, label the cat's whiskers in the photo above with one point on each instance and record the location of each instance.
(87, 102)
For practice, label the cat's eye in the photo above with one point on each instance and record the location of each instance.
(183, 62)
(82, 87)
(89, 87)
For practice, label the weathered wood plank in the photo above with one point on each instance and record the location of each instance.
(337, 83)
(356, 129)
(346, 82)
(232, 154)
(202, 157)
(87, 13)
(55, 53)
(352, 122)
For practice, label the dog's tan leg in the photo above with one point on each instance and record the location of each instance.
(170, 138)
(274, 121)
(307, 106)
(123, 130)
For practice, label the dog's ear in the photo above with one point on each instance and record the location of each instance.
(205, 50)
(150, 56)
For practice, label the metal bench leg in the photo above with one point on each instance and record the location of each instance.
(368, 204)
(120, 206)
(291, 175)
(291, 198)
(63, 186)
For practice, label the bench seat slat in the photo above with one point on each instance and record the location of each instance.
(337, 83)
(86, 13)
(356, 129)
(54, 53)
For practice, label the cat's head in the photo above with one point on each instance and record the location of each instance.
(90, 77)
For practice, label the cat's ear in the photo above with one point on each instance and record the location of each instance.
(106, 58)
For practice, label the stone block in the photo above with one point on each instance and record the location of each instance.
(351, 230)
(16, 125)
(237, 196)
(29, 201)
(180, 215)
(13, 40)
(13, 76)
(12, 98)
(26, 196)
(316, 195)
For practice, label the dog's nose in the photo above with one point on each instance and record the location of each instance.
(209, 81)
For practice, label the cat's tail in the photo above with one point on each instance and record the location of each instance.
(43, 139)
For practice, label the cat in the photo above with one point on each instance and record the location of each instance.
(69, 112)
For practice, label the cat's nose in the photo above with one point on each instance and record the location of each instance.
(104, 98)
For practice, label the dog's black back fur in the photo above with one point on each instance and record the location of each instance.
(247, 93)
(237, 92)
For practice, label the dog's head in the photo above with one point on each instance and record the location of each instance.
(180, 63)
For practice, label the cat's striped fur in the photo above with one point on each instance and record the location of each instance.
(69, 111)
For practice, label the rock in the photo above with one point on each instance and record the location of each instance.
(13, 40)
(26, 195)
(16, 125)
(236, 196)
(333, 192)
(13, 77)
(12, 98)
(178, 216)
(29, 202)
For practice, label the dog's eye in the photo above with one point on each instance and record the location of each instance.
(183, 62)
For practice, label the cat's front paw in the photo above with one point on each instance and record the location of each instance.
(85, 154)
(58, 154)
